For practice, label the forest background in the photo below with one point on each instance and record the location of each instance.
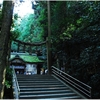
(75, 36)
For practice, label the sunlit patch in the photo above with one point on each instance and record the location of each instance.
(23, 8)
(1, 1)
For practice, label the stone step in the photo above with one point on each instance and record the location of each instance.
(64, 98)
(44, 89)
(34, 76)
(40, 86)
(36, 80)
(36, 83)
(41, 96)
(39, 81)
(44, 92)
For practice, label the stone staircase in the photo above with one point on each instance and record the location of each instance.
(43, 87)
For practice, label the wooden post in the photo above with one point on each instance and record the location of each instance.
(24, 48)
(41, 50)
(30, 50)
(48, 57)
(58, 63)
(18, 47)
(36, 48)
(49, 40)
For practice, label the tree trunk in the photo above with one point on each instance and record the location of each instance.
(49, 39)
(4, 41)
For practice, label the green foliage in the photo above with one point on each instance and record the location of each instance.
(90, 56)
(8, 81)
(58, 23)
(23, 29)
(7, 84)
(0, 16)
(14, 34)
(75, 31)
(40, 22)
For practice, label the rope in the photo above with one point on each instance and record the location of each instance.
(31, 44)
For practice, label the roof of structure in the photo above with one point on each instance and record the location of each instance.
(26, 58)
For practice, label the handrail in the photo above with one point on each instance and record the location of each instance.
(16, 85)
(80, 86)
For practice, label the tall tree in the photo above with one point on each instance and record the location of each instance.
(4, 41)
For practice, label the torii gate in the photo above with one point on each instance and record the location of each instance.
(19, 43)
